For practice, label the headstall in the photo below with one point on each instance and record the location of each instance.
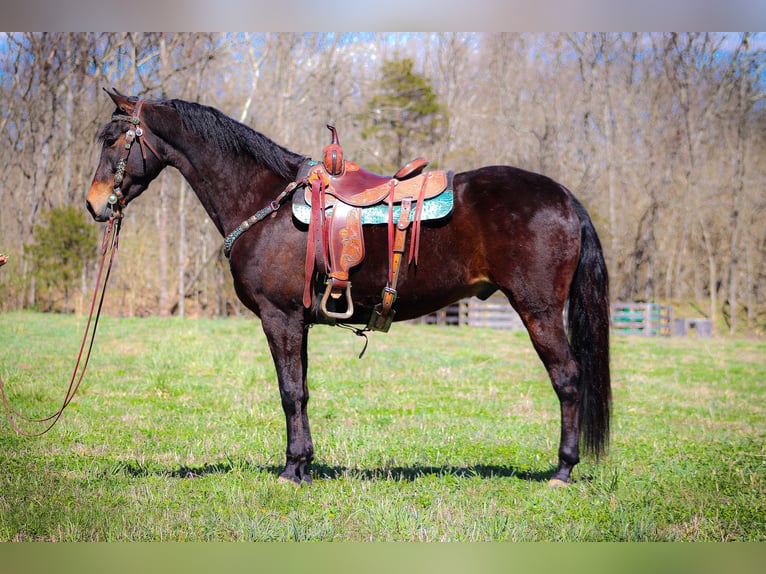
(134, 133)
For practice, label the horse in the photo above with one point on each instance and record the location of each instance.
(511, 230)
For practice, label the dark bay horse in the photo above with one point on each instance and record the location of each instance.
(510, 230)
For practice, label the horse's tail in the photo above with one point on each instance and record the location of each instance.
(589, 324)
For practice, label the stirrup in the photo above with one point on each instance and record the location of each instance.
(332, 314)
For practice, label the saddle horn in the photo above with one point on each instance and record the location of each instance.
(333, 154)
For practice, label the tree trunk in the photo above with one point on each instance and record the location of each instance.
(181, 219)
(162, 244)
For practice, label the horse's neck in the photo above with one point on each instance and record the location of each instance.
(229, 187)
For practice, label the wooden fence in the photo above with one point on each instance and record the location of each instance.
(494, 313)
(646, 319)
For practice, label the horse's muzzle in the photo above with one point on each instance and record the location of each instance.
(97, 201)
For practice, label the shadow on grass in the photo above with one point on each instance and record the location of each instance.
(322, 471)
(410, 473)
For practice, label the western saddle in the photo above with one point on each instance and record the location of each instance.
(338, 191)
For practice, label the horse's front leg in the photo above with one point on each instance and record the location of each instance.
(288, 337)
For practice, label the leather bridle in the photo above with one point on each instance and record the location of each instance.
(134, 133)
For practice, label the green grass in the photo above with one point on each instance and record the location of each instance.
(436, 434)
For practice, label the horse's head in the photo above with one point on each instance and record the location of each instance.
(123, 172)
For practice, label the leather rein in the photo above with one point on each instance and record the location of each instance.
(108, 251)
(108, 248)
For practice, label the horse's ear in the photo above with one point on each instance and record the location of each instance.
(121, 101)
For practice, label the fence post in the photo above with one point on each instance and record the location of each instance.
(648, 320)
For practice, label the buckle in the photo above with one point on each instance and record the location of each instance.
(388, 295)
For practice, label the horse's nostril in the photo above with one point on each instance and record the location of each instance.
(96, 215)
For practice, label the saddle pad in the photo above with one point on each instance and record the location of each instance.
(434, 208)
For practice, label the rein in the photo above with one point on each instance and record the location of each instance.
(108, 248)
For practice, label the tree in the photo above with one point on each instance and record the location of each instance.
(662, 136)
(64, 245)
(404, 116)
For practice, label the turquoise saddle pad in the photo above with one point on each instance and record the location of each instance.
(434, 208)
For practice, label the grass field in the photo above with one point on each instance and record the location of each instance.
(437, 434)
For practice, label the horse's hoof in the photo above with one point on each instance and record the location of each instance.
(290, 481)
(557, 483)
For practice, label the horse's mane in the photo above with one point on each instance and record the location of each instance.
(232, 136)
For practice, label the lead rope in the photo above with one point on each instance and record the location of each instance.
(109, 247)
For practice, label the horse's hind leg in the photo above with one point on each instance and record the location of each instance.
(546, 330)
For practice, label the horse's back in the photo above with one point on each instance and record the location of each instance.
(511, 189)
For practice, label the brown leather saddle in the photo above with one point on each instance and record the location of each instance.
(337, 192)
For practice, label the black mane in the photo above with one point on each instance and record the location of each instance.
(232, 136)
